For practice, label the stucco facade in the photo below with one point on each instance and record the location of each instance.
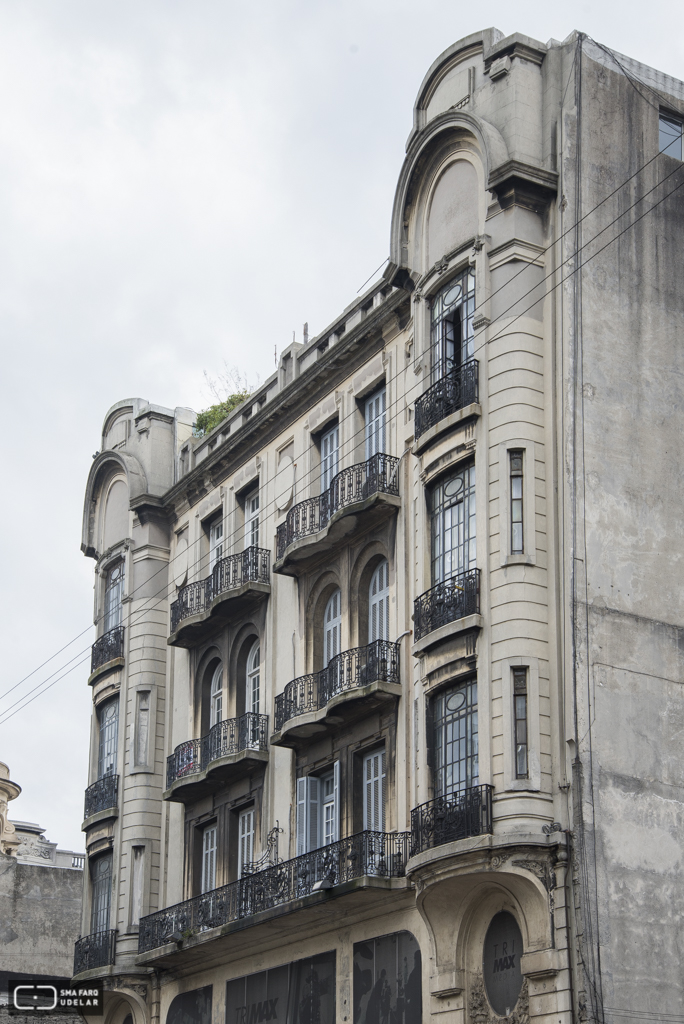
(388, 685)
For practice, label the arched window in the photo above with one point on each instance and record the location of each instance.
(109, 736)
(332, 625)
(451, 329)
(253, 678)
(101, 881)
(378, 603)
(113, 596)
(216, 697)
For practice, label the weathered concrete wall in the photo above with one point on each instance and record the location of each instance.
(40, 917)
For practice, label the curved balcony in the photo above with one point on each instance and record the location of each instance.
(107, 653)
(365, 860)
(230, 749)
(357, 499)
(448, 818)
(92, 951)
(353, 684)
(453, 398)
(236, 584)
(102, 797)
(437, 610)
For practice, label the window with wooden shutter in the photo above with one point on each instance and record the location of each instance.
(330, 445)
(209, 858)
(246, 838)
(375, 423)
(378, 603)
(332, 625)
(215, 543)
(374, 791)
(252, 520)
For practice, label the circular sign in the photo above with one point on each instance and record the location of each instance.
(501, 963)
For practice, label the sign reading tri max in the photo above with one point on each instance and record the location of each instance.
(257, 1013)
(42, 996)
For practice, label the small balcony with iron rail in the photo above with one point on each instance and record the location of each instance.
(94, 951)
(358, 870)
(230, 750)
(452, 399)
(236, 585)
(101, 801)
(358, 498)
(107, 653)
(450, 607)
(353, 685)
(446, 819)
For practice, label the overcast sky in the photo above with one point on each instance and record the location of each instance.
(183, 184)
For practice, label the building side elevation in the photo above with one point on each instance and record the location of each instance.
(387, 684)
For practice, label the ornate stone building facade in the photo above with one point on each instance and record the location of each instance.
(388, 677)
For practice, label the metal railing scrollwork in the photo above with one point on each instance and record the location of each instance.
(378, 661)
(107, 647)
(379, 474)
(380, 854)
(447, 601)
(252, 565)
(102, 795)
(452, 392)
(97, 950)
(447, 818)
(249, 732)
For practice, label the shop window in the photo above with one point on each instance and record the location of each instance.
(387, 980)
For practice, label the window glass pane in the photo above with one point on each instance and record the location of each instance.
(329, 456)
(671, 137)
(109, 736)
(375, 423)
(456, 739)
(453, 525)
(253, 679)
(101, 879)
(451, 332)
(113, 597)
(387, 980)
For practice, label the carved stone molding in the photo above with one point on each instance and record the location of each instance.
(480, 1012)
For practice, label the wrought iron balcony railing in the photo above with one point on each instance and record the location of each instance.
(447, 818)
(378, 661)
(108, 647)
(447, 601)
(454, 391)
(377, 475)
(249, 732)
(97, 950)
(101, 795)
(380, 854)
(249, 566)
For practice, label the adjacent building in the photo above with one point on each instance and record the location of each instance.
(387, 690)
(40, 900)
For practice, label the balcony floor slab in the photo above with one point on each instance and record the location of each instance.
(449, 629)
(340, 710)
(194, 629)
(217, 773)
(448, 423)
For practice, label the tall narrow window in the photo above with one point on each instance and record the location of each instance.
(109, 738)
(516, 476)
(332, 627)
(318, 810)
(209, 858)
(137, 865)
(113, 608)
(375, 423)
(671, 136)
(374, 791)
(215, 543)
(246, 841)
(142, 728)
(253, 679)
(451, 329)
(520, 722)
(252, 520)
(330, 444)
(456, 739)
(216, 701)
(378, 604)
(101, 882)
(453, 525)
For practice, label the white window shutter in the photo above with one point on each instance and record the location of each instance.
(313, 813)
(246, 830)
(375, 423)
(336, 800)
(332, 627)
(378, 612)
(374, 791)
(302, 808)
